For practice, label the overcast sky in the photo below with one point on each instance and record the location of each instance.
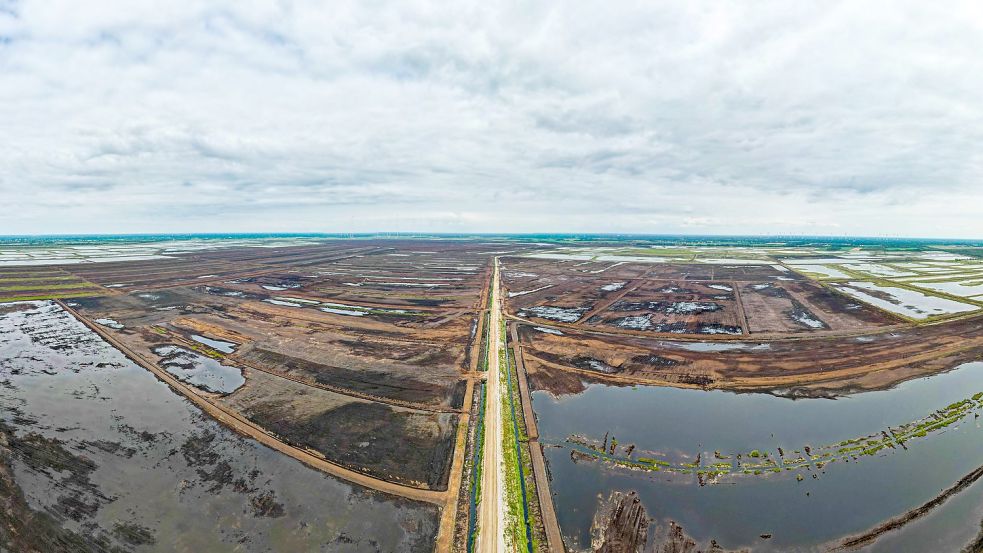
(653, 117)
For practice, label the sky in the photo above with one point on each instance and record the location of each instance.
(697, 117)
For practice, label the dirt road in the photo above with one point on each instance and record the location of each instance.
(491, 511)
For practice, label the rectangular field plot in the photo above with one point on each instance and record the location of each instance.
(384, 276)
(726, 272)
(965, 288)
(563, 291)
(675, 306)
(905, 302)
(805, 306)
(415, 359)
(400, 445)
(35, 283)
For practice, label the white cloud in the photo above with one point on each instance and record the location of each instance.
(744, 117)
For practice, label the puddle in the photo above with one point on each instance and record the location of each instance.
(110, 323)
(807, 320)
(641, 322)
(561, 314)
(297, 300)
(223, 292)
(283, 303)
(337, 311)
(524, 292)
(219, 345)
(713, 346)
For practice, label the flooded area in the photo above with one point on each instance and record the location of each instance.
(110, 323)
(96, 455)
(201, 372)
(338, 311)
(218, 345)
(559, 314)
(735, 467)
(283, 303)
(964, 289)
(533, 291)
(877, 270)
(903, 301)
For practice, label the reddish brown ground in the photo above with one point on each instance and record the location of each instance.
(682, 298)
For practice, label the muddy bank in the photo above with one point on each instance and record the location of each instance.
(556, 382)
(23, 529)
(977, 545)
(620, 525)
(670, 538)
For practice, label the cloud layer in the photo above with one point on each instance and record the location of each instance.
(697, 117)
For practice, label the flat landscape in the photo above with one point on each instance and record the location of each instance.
(490, 393)
(784, 397)
(351, 361)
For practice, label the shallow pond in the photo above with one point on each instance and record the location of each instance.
(201, 372)
(967, 288)
(904, 301)
(823, 270)
(149, 466)
(110, 323)
(337, 311)
(218, 345)
(283, 303)
(846, 497)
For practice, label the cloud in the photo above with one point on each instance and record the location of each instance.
(744, 117)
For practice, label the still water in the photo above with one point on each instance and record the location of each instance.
(844, 498)
(144, 459)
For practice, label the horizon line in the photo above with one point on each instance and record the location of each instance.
(641, 235)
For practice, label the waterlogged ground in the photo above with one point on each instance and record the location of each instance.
(96, 454)
(903, 301)
(810, 507)
(201, 372)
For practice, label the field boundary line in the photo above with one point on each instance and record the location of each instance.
(250, 429)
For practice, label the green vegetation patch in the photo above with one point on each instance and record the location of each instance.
(41, 279)
(55, 295)
(31, 288)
